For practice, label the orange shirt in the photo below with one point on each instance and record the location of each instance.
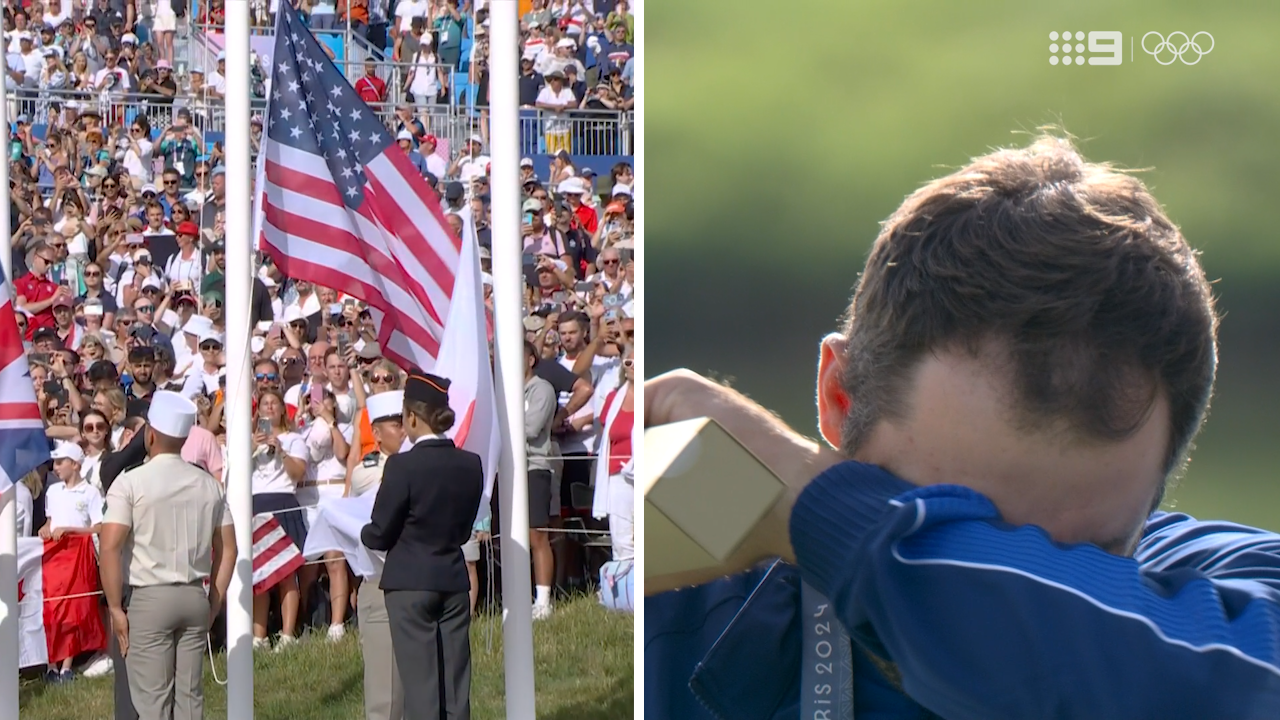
(367, 443)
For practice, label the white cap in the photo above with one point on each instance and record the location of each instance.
(385, 405)
(404, 135)
(67, 451)
(621, 189)
(171, 414)
(476, 139)
(149, 188)
(213, 335)
(572, 186)
(566, 42)
(486, 279)
(526, 162)
(222, 54)
(129, 38)
(152, 282)
(293, 314)
(198, 325)
(257, 343)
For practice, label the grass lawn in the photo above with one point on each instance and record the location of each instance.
(583, 656)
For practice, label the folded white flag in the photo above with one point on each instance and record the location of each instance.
(337, 528)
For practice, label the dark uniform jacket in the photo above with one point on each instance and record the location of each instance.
(423, 516)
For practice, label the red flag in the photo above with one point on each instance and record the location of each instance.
(72, 625)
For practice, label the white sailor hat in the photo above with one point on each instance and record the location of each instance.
(171, 414)
(385, 405)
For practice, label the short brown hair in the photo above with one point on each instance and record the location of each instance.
(1072, 267)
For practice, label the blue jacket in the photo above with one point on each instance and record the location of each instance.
(979, 620)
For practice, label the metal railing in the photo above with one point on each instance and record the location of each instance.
(581, 132)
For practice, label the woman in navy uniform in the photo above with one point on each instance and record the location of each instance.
(422, 517)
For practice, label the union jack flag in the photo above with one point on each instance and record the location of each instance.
(23, 445)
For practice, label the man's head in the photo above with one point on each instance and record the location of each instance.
(1034, 327)
(573, 331)
(266, 375)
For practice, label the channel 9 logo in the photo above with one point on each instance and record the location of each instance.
(1107, 47)
(1110, 43)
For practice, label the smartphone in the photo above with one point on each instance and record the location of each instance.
(317, 393)
(264, 426)
(611, 315)
(559, 296)
(343, 339)
(52, 387)
(584, 286)
(134, 239)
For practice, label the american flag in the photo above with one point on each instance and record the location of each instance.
(343, 207)
(275, 557)
(23, 445)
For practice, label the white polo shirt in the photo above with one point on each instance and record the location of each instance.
(77, 507)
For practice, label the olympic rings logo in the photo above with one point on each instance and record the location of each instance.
(1177, 50)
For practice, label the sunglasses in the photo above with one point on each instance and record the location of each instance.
(109, 185)
(170, 182)
(95, 427)
(146, 308)
(210, 347)
(269, 377)
(384, 379)
(125, 323)
(93, 274)
(611, 262)
(137, 129)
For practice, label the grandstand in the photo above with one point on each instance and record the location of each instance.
(600, 138)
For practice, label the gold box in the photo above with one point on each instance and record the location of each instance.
(703, 493)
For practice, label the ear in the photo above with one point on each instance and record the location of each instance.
(833, 401)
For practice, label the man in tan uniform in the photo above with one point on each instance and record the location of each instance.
(166, 525)
(383, 692)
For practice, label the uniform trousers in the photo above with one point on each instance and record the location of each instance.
(124, 709)
(383, 691)
(167, 628)
(430, 635)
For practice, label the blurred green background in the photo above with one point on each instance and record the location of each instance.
(779, 135)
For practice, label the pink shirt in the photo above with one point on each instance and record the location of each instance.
(202, 449)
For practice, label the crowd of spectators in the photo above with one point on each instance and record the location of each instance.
(118, 243)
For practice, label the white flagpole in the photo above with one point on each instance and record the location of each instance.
(239, 294)
(508, 287)
(9, 498)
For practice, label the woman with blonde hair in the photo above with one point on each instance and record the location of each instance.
(382, 376)
(28, 490)
(81, 76)
(111, 403)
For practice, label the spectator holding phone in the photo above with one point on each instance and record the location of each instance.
(327, 442)
(280, 460)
